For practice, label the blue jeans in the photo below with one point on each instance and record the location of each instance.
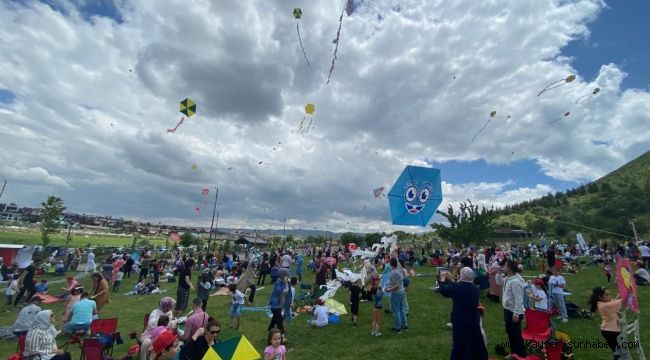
(558, 299)
(71, 328)
(398, 309)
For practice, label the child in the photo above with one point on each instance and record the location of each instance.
(557, 283)
(205, 285)
(376, 319)
(237, 303)
(608, 271)
(320, 318)
(355, 289)
(538, 294)
(11, 289)
(608, 308)
(42, 287)
(275, 350)
(118, 280)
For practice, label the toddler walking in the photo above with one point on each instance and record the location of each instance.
(237, 303)
(275, 350)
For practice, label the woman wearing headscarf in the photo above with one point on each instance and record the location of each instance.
(467, 339)
(165, 307)
(99, 291)
(40, 341)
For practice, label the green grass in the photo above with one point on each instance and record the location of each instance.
(428, 337)
(32, 237)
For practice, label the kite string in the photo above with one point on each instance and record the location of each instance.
(582, 226)
(550, 86)
(301, 47)
(336, 48)
(484, 126)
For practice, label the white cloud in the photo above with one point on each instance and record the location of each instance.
(82, 127)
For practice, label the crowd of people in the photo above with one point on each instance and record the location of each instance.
(383, 276)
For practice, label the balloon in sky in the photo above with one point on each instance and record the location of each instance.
(556, 84)
(585, 98)
(205, 191)
(186, 107)
(297, 13)
(415, 196)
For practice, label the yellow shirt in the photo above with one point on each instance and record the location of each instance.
(609, 313)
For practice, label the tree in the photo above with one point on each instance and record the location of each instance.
(51, 212)
(371, 239)
(349, 237)
(187, 239)
(469, 225)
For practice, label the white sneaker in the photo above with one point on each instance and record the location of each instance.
(449, 325)
(565, 320)
(377, 334)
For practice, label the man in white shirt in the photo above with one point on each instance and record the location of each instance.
(286, 260)
(556, 284)
(320, 315)
(645, 254)
(513, 306)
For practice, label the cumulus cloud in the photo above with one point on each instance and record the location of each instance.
(414, 80)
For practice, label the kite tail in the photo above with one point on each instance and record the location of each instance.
(336, 48)
(484, 126)
(551, 86)
(554, 121)
(176, 127)
(301, 47)
(302, 121)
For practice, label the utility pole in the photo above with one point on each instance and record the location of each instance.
(214, 212)
(633, 223)
(3, 187)
(67, 240)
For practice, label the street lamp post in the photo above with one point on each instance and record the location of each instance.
(214, 212)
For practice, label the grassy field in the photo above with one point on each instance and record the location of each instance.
(428, 338)
(31, 237)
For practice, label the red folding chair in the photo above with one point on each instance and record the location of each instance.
(106, 329)
(92, 349)
(538, 326)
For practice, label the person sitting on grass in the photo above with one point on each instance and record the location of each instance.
(83, 313)
(321, 314)
(26, 316)
(41, 287)
(72, 283)
(72, 299)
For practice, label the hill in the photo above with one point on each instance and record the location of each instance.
(607, 204)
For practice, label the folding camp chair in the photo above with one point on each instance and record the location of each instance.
(92, 349)
(21, 348)
(538, 326)
(105, 330)
(305, 294)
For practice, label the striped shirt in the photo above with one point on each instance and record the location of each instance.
(39, 342)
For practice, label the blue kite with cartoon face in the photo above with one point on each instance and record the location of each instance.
(415, 196)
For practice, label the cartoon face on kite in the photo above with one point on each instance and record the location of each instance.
(310, 108)
(415, 198)
(297, 13)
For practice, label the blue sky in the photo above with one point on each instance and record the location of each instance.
(619, 35)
